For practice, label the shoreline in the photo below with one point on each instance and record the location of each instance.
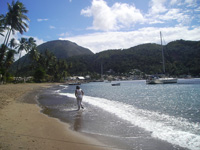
(23, 126)
(97, 123)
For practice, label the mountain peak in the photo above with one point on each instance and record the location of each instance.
(64, 49)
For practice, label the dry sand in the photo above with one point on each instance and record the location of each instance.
(23, 127)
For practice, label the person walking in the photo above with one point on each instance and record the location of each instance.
(79, 96)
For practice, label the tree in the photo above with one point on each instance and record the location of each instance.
(30, 45)
(39, 75)
(12, 43)
(21, 46)
(27, 45)
(8, 59)
(15, 19)
(34, 56)
(1, 25)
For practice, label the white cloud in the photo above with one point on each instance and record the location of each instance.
(197, 9)
(38, 41)
(40, 20)
(157, 7)
(103, 17)
(185, 3)
(52, 27)
(121, 16)
(64, 34)
(127, 15)
(116, 17)
(174, 14)
(116, 40)
(178, 14)
(190, 2)
(173, 2)
(155, 21)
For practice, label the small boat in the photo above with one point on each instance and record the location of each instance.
(115, 84)
(74, 84)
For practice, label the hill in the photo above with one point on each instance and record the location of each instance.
(63, 49)
(60, 48)
(181, 58)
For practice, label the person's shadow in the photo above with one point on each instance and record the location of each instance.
(78, 121)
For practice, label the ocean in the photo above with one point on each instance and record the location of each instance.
(134, 115)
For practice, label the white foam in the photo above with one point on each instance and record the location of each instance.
(65, 87)
(177, 131)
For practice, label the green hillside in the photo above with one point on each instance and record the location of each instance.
(181, 58)
(63, 49)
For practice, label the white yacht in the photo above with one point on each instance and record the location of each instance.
(163, 80)
(154, 80)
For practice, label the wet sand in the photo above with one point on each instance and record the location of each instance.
(22, 126)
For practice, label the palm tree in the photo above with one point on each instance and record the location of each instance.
(8, 59)
(12, 43)
(32, 46)
(21, 46)
(10, 54)
(62, 71)
(34, 56)
(31, 43)
(16, 20)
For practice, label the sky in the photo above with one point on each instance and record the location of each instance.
(110, 24)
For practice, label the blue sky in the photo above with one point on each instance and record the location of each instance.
(110, 24)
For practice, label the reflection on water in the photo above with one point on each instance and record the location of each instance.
(78, 121)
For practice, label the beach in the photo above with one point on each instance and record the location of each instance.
(23, 126)
(45, 117)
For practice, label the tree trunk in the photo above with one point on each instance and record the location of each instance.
(3, 48)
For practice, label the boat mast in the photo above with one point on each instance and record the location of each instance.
(163, 59)
(101, 71)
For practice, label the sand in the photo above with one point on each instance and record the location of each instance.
(23, 127)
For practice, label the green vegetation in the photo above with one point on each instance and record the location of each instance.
(63, 49)
(181, 57)
(42, 66)
(14, 20)
(55, 60)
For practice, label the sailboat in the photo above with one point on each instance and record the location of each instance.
(164, 80)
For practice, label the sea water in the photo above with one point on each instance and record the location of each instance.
(168, 112)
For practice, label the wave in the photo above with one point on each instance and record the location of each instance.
(177, 131)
